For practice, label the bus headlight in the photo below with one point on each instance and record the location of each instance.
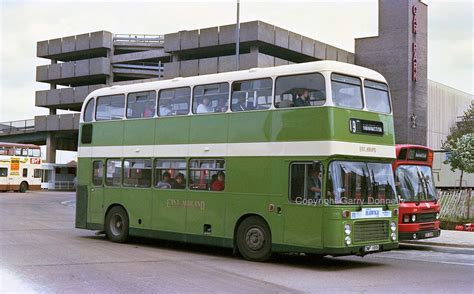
(393, 236)
(347, 229)
(437, 215)
(348, 240)
(406, 218)
(393, 226)
(413, 218)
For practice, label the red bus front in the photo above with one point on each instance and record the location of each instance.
(419, 208)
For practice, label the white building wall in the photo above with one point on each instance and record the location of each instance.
(445, 104)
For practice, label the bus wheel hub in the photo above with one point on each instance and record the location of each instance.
(116, 226)
(255, 238)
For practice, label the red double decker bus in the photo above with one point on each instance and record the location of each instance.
(419, 208)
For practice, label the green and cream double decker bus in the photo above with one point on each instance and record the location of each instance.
(295, 158)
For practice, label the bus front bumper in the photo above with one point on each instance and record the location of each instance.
(419, 235)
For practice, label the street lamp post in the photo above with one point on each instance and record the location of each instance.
(237, 37)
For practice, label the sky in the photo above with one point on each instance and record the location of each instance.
(336, 22)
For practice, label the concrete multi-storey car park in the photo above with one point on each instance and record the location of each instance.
(82, 63)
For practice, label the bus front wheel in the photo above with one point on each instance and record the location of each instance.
(253, 239)
(117, 225)
(23, 187)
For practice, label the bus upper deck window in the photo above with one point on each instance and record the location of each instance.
(251, 95)
(110, 107)
(141, 105)
(89, 111)
(346, 91)
(376, 96)
(300, 90)
(173, 102)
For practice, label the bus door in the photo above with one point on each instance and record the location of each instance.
(304, 210)
(96, 193)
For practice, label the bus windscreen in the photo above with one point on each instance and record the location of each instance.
(415, 183)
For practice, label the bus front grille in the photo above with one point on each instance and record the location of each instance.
(368, 231)
(426, 217)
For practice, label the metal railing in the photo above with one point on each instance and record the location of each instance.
(139, 38)
(17, 126)
(141, 65)
(64, 185)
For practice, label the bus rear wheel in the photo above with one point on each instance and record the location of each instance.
(254, 240)
(117, 225)
(23, 187)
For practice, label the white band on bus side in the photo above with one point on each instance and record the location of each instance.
(302, 148)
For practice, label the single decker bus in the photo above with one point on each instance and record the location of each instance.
(294, 158)
(419, 208)
(20, 167)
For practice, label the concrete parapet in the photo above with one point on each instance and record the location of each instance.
(99, 66)
(342, 55)
(331, 52)
(208, 65)
(69, 44)
(227, 34)
(189, 39)
(172, 42)
(294, 42)
(171, 70)
(189, 68)
(227, 63)
(40, 123)
(54, 47)
(208, 37)
(319, 50)
(64, 48)
(52, 122)
(81, 68)
(54, 71)
(281, 38)
(65, 97)
(82, 42)
(351, 58)
(307, 46)
(62, 122)
(66, 122)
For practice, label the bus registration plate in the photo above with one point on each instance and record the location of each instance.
(429, 234)
(370, 248)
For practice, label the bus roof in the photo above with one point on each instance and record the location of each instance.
(7, 144)
(409, 146)
(249, 74)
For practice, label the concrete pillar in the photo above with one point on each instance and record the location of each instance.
(110, 78)
(50, 148)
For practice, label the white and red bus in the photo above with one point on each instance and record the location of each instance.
(419, 208)
(20, 167)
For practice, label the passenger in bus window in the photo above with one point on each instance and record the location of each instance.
(165, 181)
(165, 108)
(179, 182)
(221, 105)
(149, 110)
(219, 184)
(241, 104)
(204, 106)
(314, 185)
(302, 99)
